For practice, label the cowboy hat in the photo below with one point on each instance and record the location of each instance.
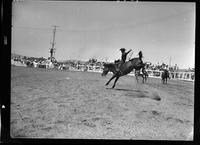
(122, 49)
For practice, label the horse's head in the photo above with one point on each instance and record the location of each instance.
(105, 70)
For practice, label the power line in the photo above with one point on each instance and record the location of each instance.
(35, 28)
(25, 27)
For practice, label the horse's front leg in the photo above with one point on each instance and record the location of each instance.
(115, 81)
(111, 79)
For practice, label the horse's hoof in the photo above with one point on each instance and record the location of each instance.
(106, 84)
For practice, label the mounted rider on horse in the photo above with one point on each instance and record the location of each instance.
(119, 64)
(123, 67)
(123, 59)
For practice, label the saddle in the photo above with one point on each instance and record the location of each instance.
(120, 65)
(117, 65)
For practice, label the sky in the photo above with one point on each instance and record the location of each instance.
(98, 29)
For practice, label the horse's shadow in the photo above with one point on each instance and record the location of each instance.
(126, 90)
(140, 94)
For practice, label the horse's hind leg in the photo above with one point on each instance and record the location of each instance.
(165, 81)
(143, 79)
(136, 77)
(111, 79)
(115, 81)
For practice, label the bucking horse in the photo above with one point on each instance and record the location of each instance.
(124, 69)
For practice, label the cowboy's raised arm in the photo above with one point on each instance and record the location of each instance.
(128, 51)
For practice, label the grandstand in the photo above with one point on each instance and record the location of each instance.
(95, 66)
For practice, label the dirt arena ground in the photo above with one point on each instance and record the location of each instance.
(67, 104)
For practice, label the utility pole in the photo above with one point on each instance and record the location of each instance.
(170, 61)
(52, 49)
